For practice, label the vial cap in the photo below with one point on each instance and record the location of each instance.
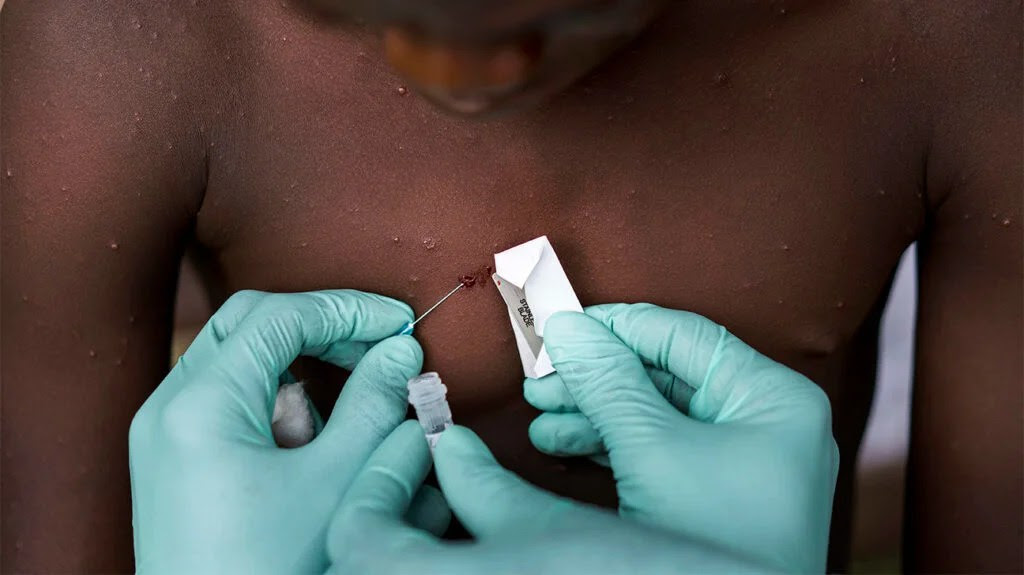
(425, 388)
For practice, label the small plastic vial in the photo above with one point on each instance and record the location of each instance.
(427, 396)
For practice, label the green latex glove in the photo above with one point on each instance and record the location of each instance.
(740, 454)
(518, 527)
(211, 492)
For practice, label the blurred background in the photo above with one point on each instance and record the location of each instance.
(882, 459)
(881, 464)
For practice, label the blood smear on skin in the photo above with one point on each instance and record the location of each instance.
(480, 276)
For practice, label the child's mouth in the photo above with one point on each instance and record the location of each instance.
(462, 77)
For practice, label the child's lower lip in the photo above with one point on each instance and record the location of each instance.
(459, 68)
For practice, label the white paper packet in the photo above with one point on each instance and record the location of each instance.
(534, 286)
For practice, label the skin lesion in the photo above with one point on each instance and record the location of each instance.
(479, 276)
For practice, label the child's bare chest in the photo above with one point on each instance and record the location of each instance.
(715, 197)
(762, 207)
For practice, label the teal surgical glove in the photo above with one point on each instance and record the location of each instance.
(211, 492)
(518, 527)
(740, 454)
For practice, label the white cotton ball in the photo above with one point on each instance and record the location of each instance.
(292, 422)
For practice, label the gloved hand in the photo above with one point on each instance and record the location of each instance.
(518, 527)
(741, 454)
(211, 493)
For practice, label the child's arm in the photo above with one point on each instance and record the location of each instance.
(102, 173)
(964, 504)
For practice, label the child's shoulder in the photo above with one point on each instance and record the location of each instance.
(139, 43)
(956, 43)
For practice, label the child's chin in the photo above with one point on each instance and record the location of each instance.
(478, 105)
(485, 105)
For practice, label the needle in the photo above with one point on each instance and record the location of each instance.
(407, 328)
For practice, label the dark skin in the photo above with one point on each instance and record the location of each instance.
(760, 164)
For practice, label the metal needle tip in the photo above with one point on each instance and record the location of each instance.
(408, 327)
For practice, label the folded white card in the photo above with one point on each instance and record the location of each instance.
(534, 286)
